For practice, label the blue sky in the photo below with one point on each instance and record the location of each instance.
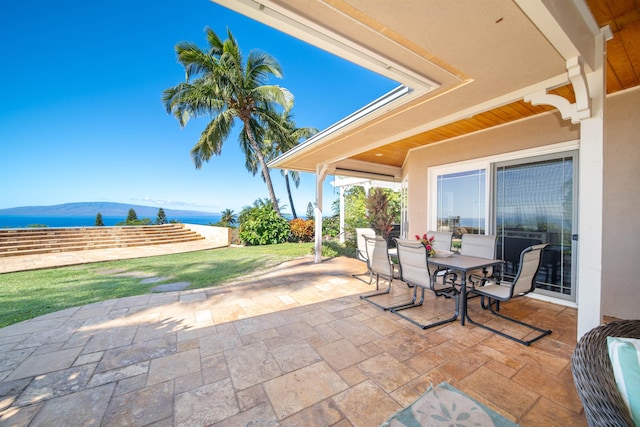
(82, 119)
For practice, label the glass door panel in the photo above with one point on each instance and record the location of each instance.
(534, 204)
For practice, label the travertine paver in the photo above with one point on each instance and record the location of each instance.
(42, 363)
(295, 346)
(78, 409)
(206, 405)
(141, 407)
(353, 403)
(174, 366)
(288, 397)
(251, 364)
(54, 384)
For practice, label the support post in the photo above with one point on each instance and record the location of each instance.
(342, 236)
(590, 199)
(321, 173)
(588, 110)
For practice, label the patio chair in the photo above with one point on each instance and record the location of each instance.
(523, 283)
(442, 241)
(593, 374)
(416, 271)
(479, 246)
(361, 250)
(379, 265)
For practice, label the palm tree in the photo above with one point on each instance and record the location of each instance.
(220, 85)
(228, 217)
(279, 140)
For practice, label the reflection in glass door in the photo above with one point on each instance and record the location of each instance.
(534, 204)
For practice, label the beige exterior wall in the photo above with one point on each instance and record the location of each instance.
(621, 216)
(621, 195)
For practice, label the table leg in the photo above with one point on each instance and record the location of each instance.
(463, 298)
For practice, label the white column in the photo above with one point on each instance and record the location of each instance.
(590, 200)
(321, 172)
(342, 237)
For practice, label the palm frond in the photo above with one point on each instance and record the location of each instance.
(212, 138)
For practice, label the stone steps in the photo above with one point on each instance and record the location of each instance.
(30, 241)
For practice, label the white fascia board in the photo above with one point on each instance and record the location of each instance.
(269, 13)
(343, 181)
(379, 106)
(567, 24)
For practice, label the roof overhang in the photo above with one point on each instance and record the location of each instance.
(454, 61)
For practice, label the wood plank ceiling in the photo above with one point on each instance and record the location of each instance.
(623, 72)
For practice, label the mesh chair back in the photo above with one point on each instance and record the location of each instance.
(414, 268)
(442, 241)
(360, 242)
(530, 260)
(478, 245)
(378, 256)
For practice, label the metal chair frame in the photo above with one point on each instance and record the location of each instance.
(361, 251)
(379, 265)
(416, 271)
(523, 283)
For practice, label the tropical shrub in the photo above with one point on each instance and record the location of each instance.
(378, 212)
(302, 230)
(356, 214)
(261, 225)
(331, 226)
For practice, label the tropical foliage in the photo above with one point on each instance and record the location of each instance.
(221, 85)
(227, 218)
(279, 142)
(260, 224)
(302, 230)
(379, 212)
(356, 213)
(99, 222)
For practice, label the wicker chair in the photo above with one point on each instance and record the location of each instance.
(593, 374)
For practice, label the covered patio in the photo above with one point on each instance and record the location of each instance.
(295, 346)
(487, 88)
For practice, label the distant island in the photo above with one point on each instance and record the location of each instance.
(104, 208)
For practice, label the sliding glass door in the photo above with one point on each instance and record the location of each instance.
(523, 201)
(534, 203)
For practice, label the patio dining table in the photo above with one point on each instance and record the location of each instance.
(464, 264)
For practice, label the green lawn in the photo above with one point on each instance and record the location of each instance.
(28, 294)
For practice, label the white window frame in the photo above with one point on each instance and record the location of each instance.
(436, 171)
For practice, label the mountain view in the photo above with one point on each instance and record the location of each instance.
(92, 208)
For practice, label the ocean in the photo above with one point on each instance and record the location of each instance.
(24, 221)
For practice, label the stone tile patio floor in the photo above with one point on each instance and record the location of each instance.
(293, 347)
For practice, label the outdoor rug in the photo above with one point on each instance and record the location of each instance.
(445, 405)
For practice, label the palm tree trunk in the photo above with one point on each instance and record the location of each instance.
(265, 168)
(286, 180)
